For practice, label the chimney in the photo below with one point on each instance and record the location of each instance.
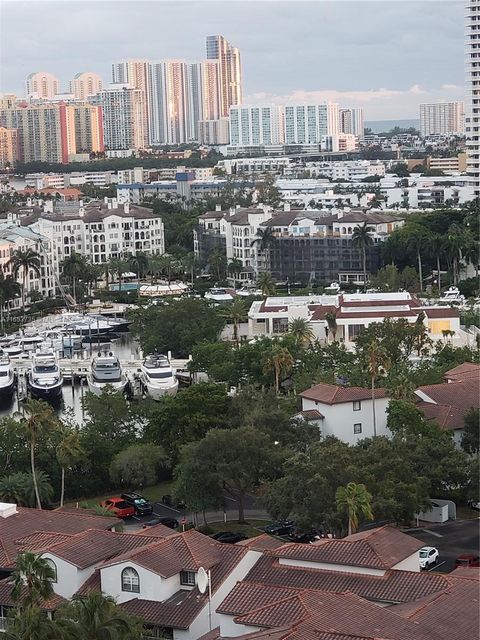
(126, 207)
(286, 206)
(105, 200)
(7, 509)
(29, 202)
(218, 207)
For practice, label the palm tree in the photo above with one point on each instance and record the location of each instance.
(118, 266)
(97, 616)
(218, 261)
(418, 239)
(438, 246)
(361, 239)
(30, 623)
(266, 284)
(13, 487)
(235, 268)
(69, 452)
(139, 264)
(43, 486)
(32, 580)
(190, 263)
(331, 320)
(24, 260)
(73, 267)
(301, 330)
(9, 290)
(235, 313)
(281, 363)
(264, 241)
(39, 418)
(106, 269)
(355, 500)
(377, 359)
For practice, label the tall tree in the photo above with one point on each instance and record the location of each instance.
(139, 264)
(39, 418)
(30, 623)
(264, 241)
(266, 284)
(361, 239)
(331, 320)
(355, 500)
(69, 452)
(25, 261)
(235, 268)
(32, 580)
(418, 238)
(217, 260)
(235, 313)
(302, 332)
(9, 290)
(377, 360)
(73, 267)
(280, 362)
(96, 617)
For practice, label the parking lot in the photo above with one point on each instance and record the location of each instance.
(451, 539)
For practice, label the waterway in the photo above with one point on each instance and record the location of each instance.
(124, 346)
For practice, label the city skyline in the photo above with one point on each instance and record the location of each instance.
(431, 49)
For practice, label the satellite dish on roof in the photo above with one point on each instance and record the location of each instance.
(202, 580)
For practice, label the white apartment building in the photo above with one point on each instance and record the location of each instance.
(352, 121)
(256, 125)
(239, 227)
(339, 143)
(472, 50)
(123, 111)
(308, 124)
(41, 84)
(442, 118)
(101, 231)
(350, 170)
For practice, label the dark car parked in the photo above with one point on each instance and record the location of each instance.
(281, 528)
(167, 522)
(467, 560)
(303, 536)
(142, 507)
(228, 537)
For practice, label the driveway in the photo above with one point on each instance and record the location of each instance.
(451, 539)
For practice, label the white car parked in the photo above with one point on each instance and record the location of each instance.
(428, 556)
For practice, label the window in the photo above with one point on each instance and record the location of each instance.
(357, 428)
(188, 578)
(53, 567)
(130, 580)
(357, 405)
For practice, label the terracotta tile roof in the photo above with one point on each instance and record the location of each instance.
(446, 416)
(157, 531)
(463, 372)
(444, 312)
(389, 543)
(27, 521)
(463, 394)
(263, 542)
(376, 314)
(394, 586)
(284, 218)
(186, 551)
(271, 309)
(310, 613)
(311, 414)
(40, 540)
(91, 584)
(246, 596)
(466, 572)
(6, 586)
(333, 394)
(182, 609)
(91, 547)
(453, 614)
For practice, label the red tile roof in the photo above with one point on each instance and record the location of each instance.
(376, 314)
(447, 312)
(463, 394)
(6, 586)
(463, 372)
(263, 542)
(157, 531)
(446, 416)
(311, 414)
(92, 584)
(28, 521)
(394, 586)
(40, 540)
(333, 394)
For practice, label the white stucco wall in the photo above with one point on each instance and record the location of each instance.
(340, 418)
(412, 563)
(331, 567)
(69, 577)
(229, 629)
(152, 586)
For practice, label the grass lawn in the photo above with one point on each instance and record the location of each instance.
(251, 528)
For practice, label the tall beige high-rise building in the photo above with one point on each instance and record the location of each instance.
(352, 121)
(85, 84)
(228, 56)
(203, 88)
(41, 84)
(83, 128)
(9, 149)
(8, 100)
(169, 102)
(443, 118)
(136, 74)
(472, 120)
(123, 111)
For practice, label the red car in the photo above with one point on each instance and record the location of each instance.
(467, 560)
(119, 507)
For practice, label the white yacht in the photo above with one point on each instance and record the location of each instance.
(14, 349)
(158, 377)
(7, 377)
(246, 292)
(218, 295)
(44, 378)
(452, 296)
(105, 369)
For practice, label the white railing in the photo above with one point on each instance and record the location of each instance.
(3, 624)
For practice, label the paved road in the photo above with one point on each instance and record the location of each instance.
(451, 539)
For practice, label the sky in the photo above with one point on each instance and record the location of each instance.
(386, 56)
